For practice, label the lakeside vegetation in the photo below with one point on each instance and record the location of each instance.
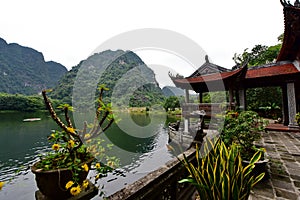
(19, 102)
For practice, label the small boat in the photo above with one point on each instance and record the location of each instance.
(31, 119)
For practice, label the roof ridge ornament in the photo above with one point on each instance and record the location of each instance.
(288, 3)
(206, 59)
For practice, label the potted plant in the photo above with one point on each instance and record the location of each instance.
(244, 129)
(62, 173)
(218, 173)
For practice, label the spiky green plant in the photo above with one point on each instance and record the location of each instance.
(220, 174)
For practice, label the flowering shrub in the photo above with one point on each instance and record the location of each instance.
(243, 129)
(70, 152)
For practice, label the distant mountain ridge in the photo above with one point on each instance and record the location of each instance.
(172, 91)
(123, 72)
(23, 70)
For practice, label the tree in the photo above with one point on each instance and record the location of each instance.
(259, 54)
(171, 102)
(259, 98)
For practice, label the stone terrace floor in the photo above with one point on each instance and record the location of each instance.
(283, 151)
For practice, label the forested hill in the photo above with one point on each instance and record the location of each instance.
(23, 70)
(172, 91)
(123, 72)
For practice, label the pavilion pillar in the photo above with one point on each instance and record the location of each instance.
(291, 97)
(186, 125)
(230, 98)
(186, 119)
(187, 96)
(242, 99)
(200, 97)
(285, 113)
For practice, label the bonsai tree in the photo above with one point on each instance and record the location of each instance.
(243, 129)
(70, 152)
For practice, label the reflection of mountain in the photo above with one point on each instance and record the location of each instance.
(130, 81)
(23, 70)
(128, 129)
(172, 91)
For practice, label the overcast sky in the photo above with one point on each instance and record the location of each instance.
(69, 31)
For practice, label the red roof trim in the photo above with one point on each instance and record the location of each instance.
(272, 71)
(210, 77)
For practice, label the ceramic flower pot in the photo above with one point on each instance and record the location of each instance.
(260, 167)
(52, 183)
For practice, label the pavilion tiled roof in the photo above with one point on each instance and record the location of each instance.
(210, 77)
(281, 69)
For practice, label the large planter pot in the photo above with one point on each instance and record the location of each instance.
(260, 167)
(52, 183)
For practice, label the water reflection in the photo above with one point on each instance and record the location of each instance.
(22, 142)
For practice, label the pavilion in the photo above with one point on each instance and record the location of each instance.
(284, 73)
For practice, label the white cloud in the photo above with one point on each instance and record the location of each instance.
(68, 31)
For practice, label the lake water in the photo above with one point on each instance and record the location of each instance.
(140, 151)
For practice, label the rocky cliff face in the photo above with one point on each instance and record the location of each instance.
(24, 70)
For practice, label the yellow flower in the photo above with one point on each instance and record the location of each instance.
(52, 135)
(72, 130)
(97, 177)
(71, 143)
(69, 184)
(98, 165)
(86, 136)
(85, 167)
(75, 190)
(55, 147)
(111, 164)
(1, 185)
(88, 141)
(85, 184)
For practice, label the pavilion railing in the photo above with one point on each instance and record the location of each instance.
(211, 109)
(161, 183)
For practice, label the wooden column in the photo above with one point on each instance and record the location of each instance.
(187, 96)
(285, 113)
(291, 97)
(230, 98)
(186, 120)
(242, 99)
(200, 97)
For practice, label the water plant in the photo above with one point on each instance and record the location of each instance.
(218, 172)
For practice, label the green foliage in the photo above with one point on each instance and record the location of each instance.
(24, 71)
(265, 101)
(220, 174)
(259, 55)
(243, 129)
(214, 97)
(297, 118)
(171, 103)
(19, 102)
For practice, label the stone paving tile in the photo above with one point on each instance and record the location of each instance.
(283, 151)
(286, 194)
